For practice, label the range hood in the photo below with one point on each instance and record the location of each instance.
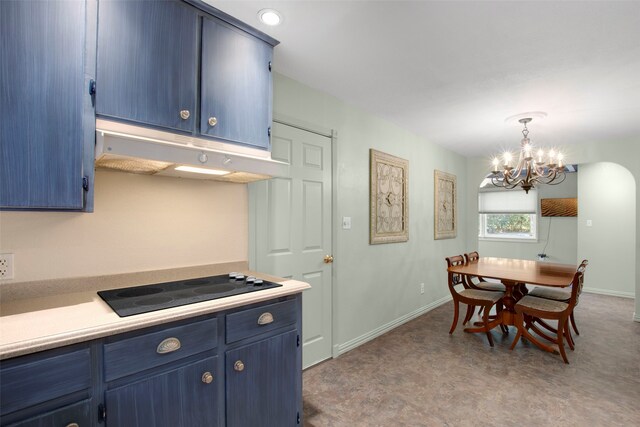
(136, 149)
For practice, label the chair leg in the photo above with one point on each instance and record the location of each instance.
(569, 338)
(573, 323)
(519, 324)
(456, 310)
(470, 310)
(485, 318)
(562, 323)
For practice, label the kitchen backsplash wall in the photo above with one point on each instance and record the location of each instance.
(140, 223)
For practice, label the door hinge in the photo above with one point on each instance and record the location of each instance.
(269, 132)
(298, 341)
(92, 87)
(85, 183)
(102, 413)
(269, 66)
(298, 418)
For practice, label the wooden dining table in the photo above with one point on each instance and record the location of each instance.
(515, 274)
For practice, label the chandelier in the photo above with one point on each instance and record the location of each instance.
(529, 169)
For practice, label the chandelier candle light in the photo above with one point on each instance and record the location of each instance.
(529, 170)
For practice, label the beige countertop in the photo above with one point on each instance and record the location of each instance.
(51, 316)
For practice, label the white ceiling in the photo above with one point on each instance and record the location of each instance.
(453, 71)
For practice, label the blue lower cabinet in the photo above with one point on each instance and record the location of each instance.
(261, 386)
(186, 396)
(70, 416)
(241, 368)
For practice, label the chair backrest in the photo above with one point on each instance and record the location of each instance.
(471, 256)
(576, 285)
(454, 279)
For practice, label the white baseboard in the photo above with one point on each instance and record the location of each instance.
(358, 341)
(609, 292)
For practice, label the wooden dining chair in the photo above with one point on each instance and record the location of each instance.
(557, 294)
(531, 307)
(471, 297)
(480, 283)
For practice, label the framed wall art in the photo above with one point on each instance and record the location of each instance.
(559, 207)
(388, 198)
(445, 206)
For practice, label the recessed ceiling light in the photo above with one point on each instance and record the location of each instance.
(201, 170)
(270, 17)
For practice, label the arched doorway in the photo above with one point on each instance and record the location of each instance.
(607, 227)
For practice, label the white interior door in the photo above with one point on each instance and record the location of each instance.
(291, 229)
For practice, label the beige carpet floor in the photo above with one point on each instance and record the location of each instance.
(419, 375)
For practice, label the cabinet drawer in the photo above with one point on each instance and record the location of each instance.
(259, 320)
(37, 381)
(78, 413)
(131, 355)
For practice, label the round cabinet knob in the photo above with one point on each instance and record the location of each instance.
(328, 259)
(238, 366)
(212, 121)
(203, 158)
(207, 377)
(185, 114)
(72, 425)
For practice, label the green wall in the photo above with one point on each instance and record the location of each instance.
(377, 287)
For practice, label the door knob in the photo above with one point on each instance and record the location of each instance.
(328, 259)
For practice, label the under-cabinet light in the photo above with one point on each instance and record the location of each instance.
(201, 170)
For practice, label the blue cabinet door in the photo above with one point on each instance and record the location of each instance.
(147, 62)
(262, 387)
(46, 140)
(182, 397)
(236, 85)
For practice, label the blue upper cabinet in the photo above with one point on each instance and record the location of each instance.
(147, 62)
(47, 133)
(236, 85)
(186, 66)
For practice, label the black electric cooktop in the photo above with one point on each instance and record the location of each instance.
(143, 299)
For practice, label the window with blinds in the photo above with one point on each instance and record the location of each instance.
(508, 215)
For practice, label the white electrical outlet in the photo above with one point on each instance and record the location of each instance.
(422, 288)
(6, 266)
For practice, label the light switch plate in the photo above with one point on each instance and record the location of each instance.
(346, 223)
(589, 223)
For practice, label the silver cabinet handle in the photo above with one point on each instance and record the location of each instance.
(185, 114)
(207, 377)
(213, 121)
(238, 366)
(265, 318)
(168, 345)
